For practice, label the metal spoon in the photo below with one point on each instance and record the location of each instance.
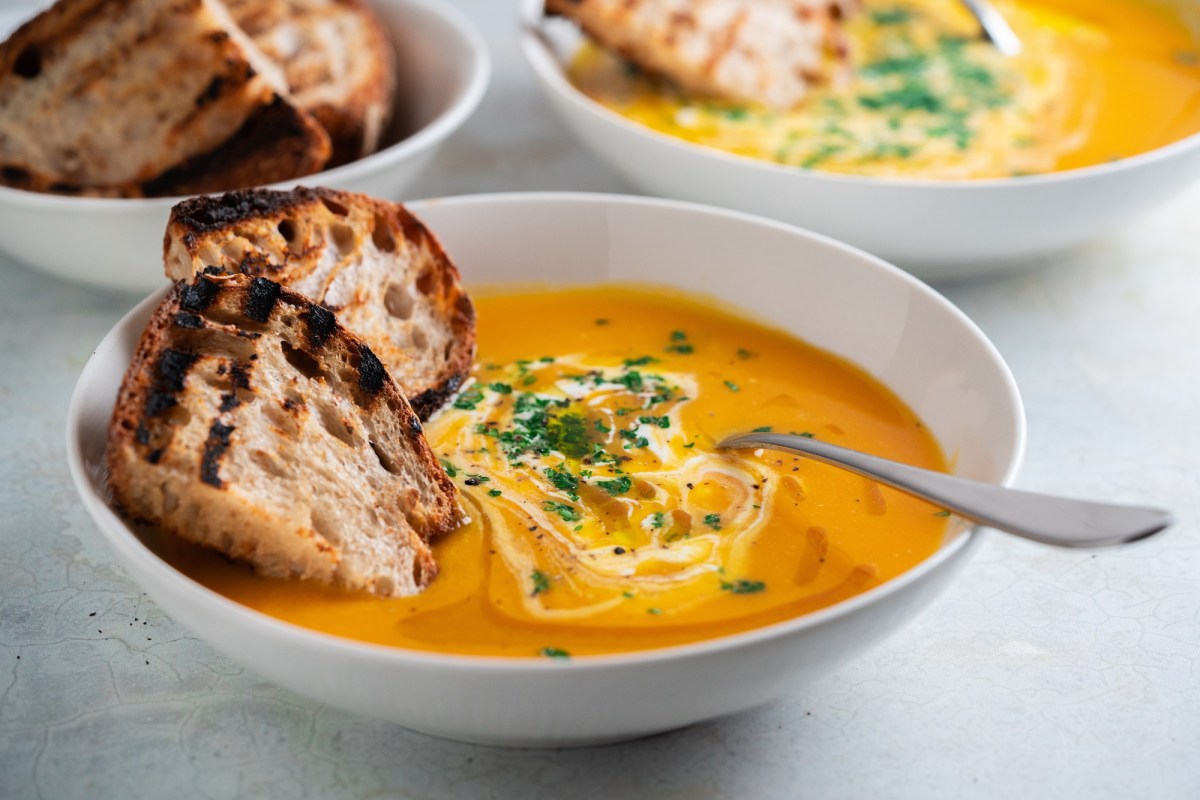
(995, 28)
(1042, 518)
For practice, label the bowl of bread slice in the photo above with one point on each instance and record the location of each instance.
(268, 445)
(111, 111)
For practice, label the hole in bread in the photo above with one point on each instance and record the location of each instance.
(305, 364)
(398, 301)
(28, 63)
(332, 422)
(420, 339)
(385, 460)
(382, 235)
(325, 526)
(426, 281)
(287, 229)
(335, 207)
(343, 238)
(268, 464)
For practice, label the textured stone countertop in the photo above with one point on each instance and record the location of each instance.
(1041, 673)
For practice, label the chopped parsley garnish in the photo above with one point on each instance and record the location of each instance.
(763, 429)
(744, 354)
(662, 422)
(619, 486)
(468, 400)
(529, 379)
(942, 513)
(656, 520)
(733, 387)
(567, 512)
(632, 381)
(568, 434)
(689, 445)
(654, 611)
(639, 362)
(680, 344)
(553, 652)
(451, 470)
(494, 492)
(540, 583)
(563, 480)
(713, 521)
(601, 321)
(890, 16)
(805, 434)
(601, 427)
(633, 439)
(500, 388)
(743, 586)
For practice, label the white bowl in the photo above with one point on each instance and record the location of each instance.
(442, 69)
(934, 229)
(831, 295)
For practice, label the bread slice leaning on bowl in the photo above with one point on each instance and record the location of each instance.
(131, 98)
(371, 262)
(252, 422)
(338, 63)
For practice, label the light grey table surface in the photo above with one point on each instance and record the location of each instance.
(1042, 673)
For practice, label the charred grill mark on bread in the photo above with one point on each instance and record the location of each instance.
(407, 300)
(215, 427)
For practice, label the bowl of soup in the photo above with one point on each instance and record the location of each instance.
(927, 147)
(620, 574)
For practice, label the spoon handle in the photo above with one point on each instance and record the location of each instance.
(995, 27)
(1042, 518)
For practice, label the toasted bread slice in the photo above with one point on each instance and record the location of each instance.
(370, 261)
(338, 62)
(250, 421)
(767, 52)
(146, 97)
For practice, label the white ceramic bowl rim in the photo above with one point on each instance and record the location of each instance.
(454, 115)
(547, 65)
(132, 546)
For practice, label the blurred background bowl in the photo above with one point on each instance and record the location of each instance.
(442, 69)
(935, 229)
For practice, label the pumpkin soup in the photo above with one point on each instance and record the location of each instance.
(603, 519)
(923, 96)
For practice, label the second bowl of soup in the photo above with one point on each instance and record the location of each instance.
(928, 147)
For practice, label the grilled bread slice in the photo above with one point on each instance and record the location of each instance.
(252, 422)
(146, 97)
(766, 52)
(338, 62)
(370, 261)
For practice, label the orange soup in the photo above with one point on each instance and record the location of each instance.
(924, 96)
(603, 518)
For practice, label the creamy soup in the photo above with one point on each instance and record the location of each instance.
(923, 96)
(603, 519)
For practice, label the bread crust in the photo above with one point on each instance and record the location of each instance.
(338, 61)
(247, 411)
(370, 261)
(767, 52)
(135, 98)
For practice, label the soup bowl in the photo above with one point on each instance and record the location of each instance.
(117, 242)
(935, 229)
(835, 297)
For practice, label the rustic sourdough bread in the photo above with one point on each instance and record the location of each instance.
(252, 422)
(767, 52)
(146, 97)
(370, 261)
(338, 62)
